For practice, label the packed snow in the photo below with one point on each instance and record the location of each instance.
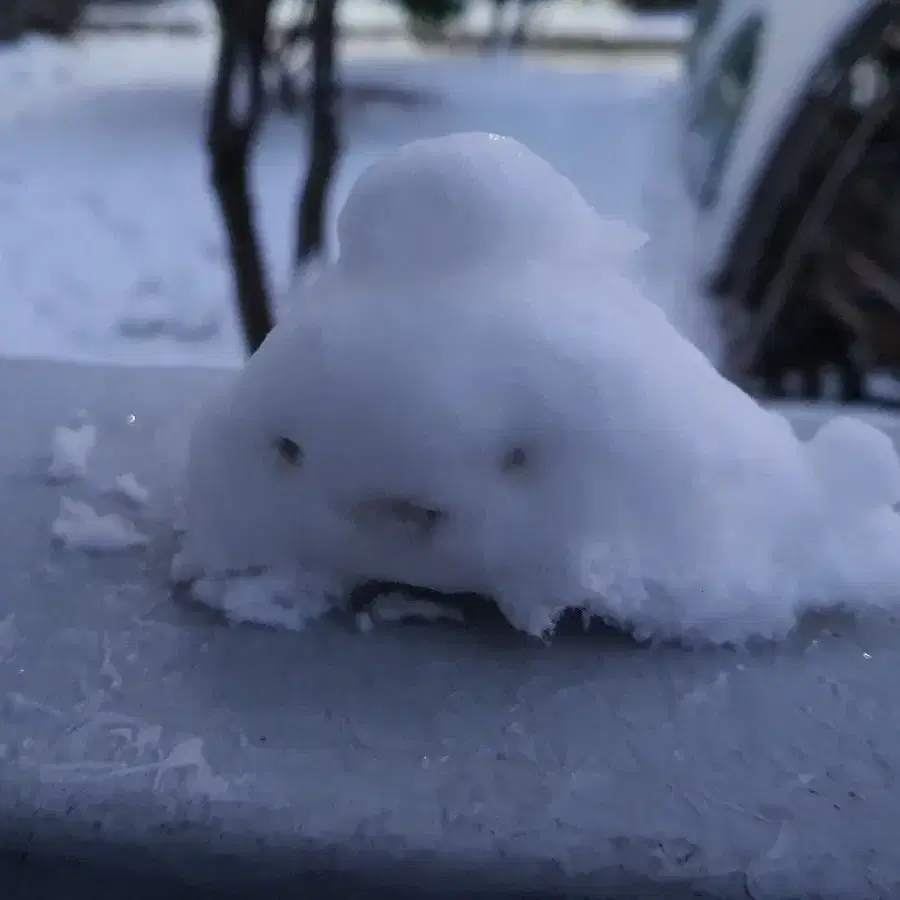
(478, 397)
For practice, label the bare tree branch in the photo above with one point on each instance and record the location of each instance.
(324, 146)
(235, 115)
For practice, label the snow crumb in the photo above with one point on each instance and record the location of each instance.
(70, 451)
(477, 396)
(80, 527)
(127, 486)
(265, 599)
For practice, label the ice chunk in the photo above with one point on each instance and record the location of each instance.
(475, 396)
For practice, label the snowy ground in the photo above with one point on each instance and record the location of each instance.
(112, 250)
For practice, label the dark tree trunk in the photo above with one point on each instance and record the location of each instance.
(58, 18)
(324, 145)
(235, 115)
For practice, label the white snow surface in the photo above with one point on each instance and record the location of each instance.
(482, 399)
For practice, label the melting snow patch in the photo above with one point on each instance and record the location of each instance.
(71, 451)
(80, 527)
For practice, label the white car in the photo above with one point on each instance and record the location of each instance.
(790, 160)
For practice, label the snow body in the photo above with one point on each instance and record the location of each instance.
(483, 401)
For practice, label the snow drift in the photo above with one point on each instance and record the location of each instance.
(476, 397)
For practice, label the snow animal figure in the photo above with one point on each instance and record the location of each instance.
(474, 398)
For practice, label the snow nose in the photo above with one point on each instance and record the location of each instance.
(399, 511)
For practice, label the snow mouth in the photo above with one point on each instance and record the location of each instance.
(473, 610)
(417, 519)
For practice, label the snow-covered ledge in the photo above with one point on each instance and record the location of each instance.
(408, 754)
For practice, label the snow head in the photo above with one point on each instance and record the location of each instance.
(473, 398)
(438, 206)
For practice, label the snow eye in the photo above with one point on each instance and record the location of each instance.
(515, 459)
(289, 451)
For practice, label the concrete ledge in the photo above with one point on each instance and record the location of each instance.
(196, 859)
(140, 733)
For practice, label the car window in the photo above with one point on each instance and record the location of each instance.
(716, 107)
(706, 15)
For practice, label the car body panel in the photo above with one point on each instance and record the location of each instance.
(797, 36)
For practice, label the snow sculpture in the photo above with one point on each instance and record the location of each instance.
(475, 398)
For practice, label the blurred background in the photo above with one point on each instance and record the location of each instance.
(169, 169)
(116, 186)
